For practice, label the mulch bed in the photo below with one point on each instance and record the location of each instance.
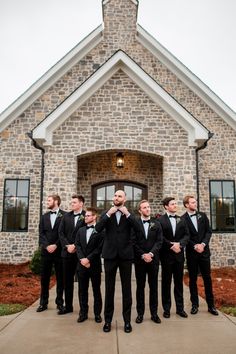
(224, 286)
(18, 285)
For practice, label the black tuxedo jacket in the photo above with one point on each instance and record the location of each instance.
(91, 250)
(48, 235)
(181, 236)
(202, 235)
(68, 231)
(118, 241)
(152, 243)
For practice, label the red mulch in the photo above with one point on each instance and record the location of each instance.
(224, 286)
(18, 285)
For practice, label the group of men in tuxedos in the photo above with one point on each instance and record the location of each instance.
(74, 242)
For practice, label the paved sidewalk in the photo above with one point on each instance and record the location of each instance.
(42, 333)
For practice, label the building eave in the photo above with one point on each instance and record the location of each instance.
(120, 60)
(50, 77)
(187, 77)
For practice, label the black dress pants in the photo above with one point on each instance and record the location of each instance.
(125, 268)
(69, 270)
(142, 270)
(47, 262)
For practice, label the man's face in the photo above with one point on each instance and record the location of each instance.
(76, 204)
(119, 198)
(171, 207)
(192, 204)
(145, 209)
(51, 203)
(90, 218)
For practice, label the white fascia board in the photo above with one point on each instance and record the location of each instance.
(44, 131)
(50, 77)
(187, 77)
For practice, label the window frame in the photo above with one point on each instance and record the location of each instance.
(4, 201)
(119, 184)
(222, 196)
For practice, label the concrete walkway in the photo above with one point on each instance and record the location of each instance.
(42, 333)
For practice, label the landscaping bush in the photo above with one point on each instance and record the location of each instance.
(35, 263)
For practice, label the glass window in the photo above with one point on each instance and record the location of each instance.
(222, 195)
(103, 195)
(16, 205)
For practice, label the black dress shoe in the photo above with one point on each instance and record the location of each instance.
(64, 311)
(166, 314)
(182, 313)
(156, 319)
(139, 319)
(213, 311)
(82, 318)
(98, 319)
(107, 327)
(60, 307)
(42, 308)
(127, 327)
(194, 310)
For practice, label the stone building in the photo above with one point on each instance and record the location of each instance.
(118, 95)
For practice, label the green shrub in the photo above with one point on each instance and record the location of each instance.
(35, 263)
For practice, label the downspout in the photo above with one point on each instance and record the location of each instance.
(37, 146)
(210, 135)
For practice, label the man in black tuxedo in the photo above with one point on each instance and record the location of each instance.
(175, 238)
(198, 253)
(88, 244)
(51, 252)
(117, 252)
(68, 229)
(148, 242)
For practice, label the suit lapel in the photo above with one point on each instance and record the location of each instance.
(142, 228)
(169, 224)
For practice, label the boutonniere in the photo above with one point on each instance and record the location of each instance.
(81, 217)
(59, 215)
(199, 216)
(178, 219)
(152, 226)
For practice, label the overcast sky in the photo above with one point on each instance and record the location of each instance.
(35, 34)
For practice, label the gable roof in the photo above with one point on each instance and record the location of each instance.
(43, 133)
(186, 76)
(85, 46)
(50, 77)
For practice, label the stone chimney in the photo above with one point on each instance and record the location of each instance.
(120, 20)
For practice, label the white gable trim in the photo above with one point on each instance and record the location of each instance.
(187, 77)
(197, 133)
(50, 77)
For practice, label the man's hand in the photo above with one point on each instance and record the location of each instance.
(85, 262)
(199, 247)
(124, 210)
(112, 210)
(147, 257)
(176, 247)
(51, 248)
(71, 248)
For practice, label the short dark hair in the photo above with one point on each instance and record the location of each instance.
(79, 197)
(186, 199)
(92, 210)
(165, 201)
(55, 197)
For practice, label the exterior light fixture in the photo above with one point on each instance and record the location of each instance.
(120, 160)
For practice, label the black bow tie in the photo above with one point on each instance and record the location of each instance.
(193, 215)
(53, 212)
(144, 221)
(172, 216)
(77, 214)
(90, 227)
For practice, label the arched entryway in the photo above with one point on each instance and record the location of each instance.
(141, 177)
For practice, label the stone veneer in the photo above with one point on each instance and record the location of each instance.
(120, 116)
